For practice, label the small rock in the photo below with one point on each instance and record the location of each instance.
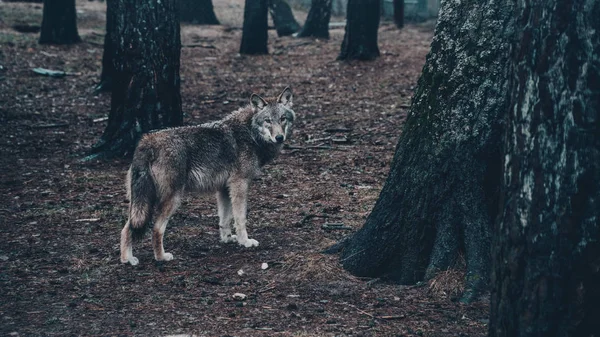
(239, 296)
(292, 306)
(5, 258)
(293, 296)
(264, 266)
(240, 272)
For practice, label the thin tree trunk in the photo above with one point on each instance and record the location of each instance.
(362, 23)
(399, 13)
(283, 18)
(317, 21)
(442, 191)
(59, 23)
(108, 66)
(547, 243)
(146, 84)
(254, 33)
(200, 12)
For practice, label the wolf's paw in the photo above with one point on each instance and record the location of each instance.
(133, 260)
(229, 238)
(167, 257)
(250, 243)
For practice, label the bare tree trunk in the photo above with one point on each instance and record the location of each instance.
(547, 244)
(145, 91)
(108, 66)
(399, 13)
(254, 33)
(200, 12)
(317, 21)
(59, 23)
(362, 23)
(442, 191)
(283, 18)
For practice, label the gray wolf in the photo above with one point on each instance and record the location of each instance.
(221, 157)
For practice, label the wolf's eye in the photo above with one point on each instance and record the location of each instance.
(268, 120)
(283, 119)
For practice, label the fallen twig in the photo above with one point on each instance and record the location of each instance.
(332, 130)
(88, 220)
(199, 45)
(335, 226)
(49, 126)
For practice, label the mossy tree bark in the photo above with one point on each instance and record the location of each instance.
(200, 12)
(283, 18)
(362, 23)
(146, 83)
(317, 21)
(547, 243)
(442, 192)
(108, 66)
(254, 31)
(59, 22)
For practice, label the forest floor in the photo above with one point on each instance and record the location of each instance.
(60, 218)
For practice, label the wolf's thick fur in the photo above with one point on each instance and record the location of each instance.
(220, 157)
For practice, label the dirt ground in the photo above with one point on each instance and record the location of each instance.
(60, 218)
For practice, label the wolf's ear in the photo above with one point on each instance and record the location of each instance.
(257, 102)
(285, 97)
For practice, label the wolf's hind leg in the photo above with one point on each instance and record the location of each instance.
(127, 246)
(238, 190)
(225, 215)
(165, 209)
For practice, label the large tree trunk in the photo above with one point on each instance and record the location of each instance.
(547, 243)
(362, 23)
(442, 192)
(254, 32)
(145, 92)
(108, 66)
(59, 23)
(317, 21)
(283, 18)
(200, 12)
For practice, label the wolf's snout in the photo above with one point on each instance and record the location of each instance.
(279, 139)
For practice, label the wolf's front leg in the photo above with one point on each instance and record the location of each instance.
(225, 215)
(238, 191)
(127, 247)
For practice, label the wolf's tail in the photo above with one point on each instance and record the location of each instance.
(142, 195)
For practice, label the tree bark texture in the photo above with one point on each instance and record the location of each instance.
(108, 66)
(547, 243)
(200, 12)
(146, 83)
(362, 23)
(59, 22)
(254, 31)
(283, 18)
(399, 13)
(317, 21)
(442, 192)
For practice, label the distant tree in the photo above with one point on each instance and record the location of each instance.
(362, 23)
(254, 31)
(442, 192)
(59, 22)
(146, 83)
(317, 21)
(546, 247)
(283, 18)
(200, 12)
(108, 66)
(399, 13)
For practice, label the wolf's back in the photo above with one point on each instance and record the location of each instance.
(142, 192)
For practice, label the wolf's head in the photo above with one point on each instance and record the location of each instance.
(272, 121)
